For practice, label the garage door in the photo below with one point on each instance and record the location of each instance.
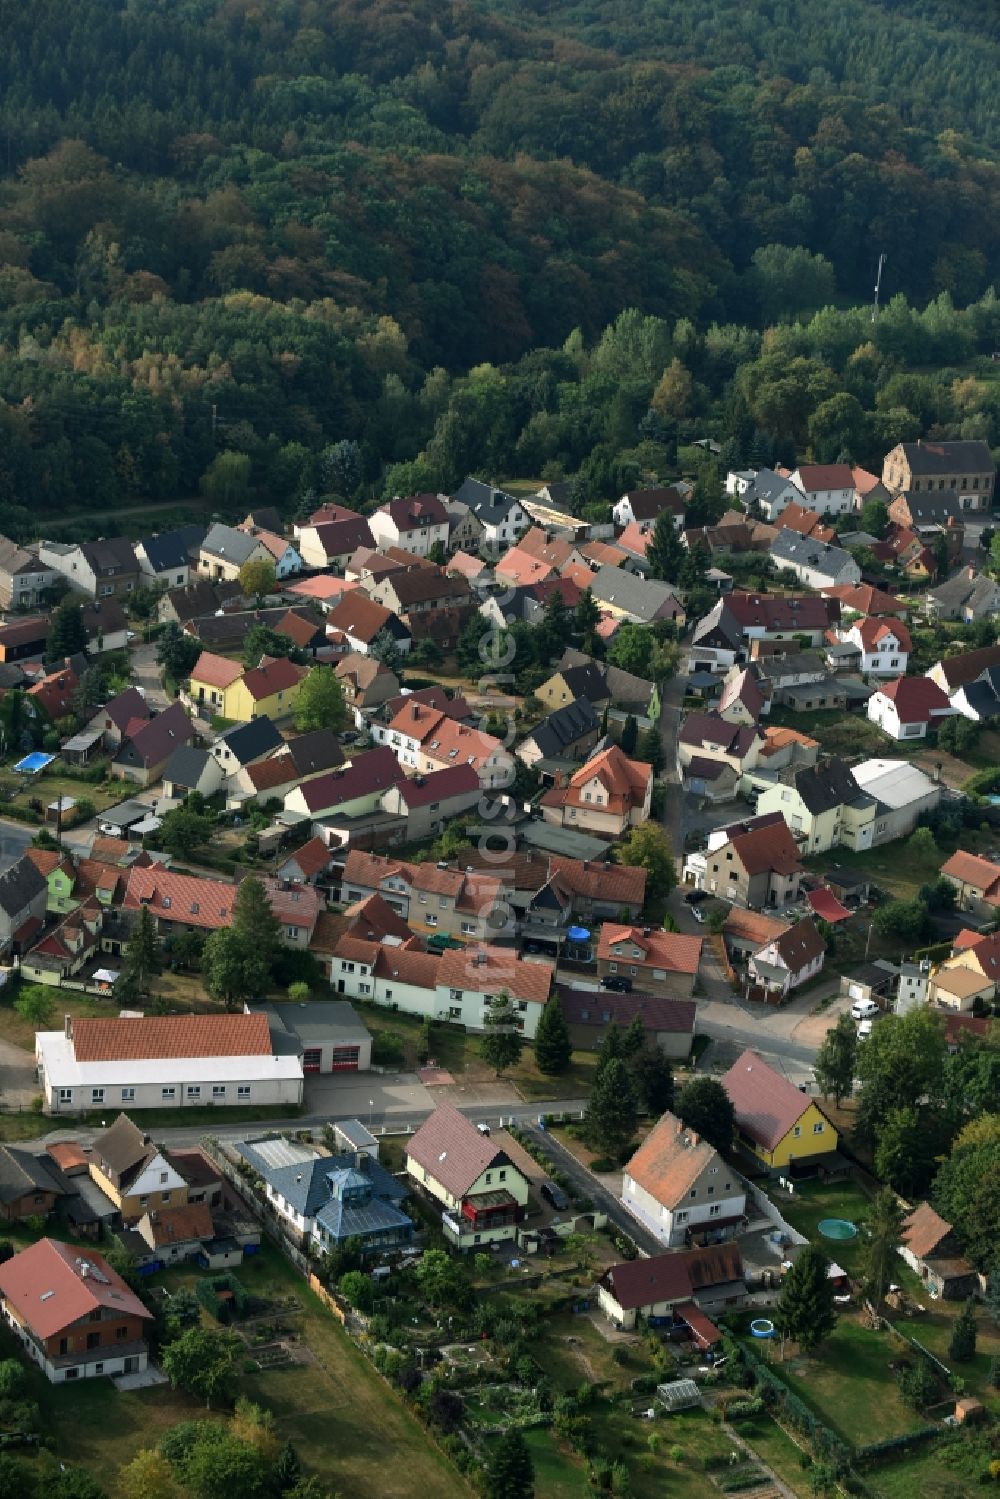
(346, 1058)
(311, 1059)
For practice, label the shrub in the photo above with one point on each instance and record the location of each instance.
(388, 1049)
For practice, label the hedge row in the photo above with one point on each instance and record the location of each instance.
(892, 1446)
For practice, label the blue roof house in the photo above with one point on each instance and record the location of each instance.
(331, 1198)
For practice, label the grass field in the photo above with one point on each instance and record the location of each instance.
(953, 1469)
(816, 1200)
(347, 1425)
(850, 1385)
(50, 785)
(775, 1448)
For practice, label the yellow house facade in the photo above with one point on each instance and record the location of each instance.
(812, 1134)
(774, 1121)
(267, 691)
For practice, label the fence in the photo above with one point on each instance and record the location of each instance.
(332, 1305)
(767, 1208)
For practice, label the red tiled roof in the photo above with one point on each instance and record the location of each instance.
(970, 869)
(359, 616)
(767, 848)
(486, 970)
(871, 631)
(668, 950)
(861, 598)
(672, 1277)
(171, 1037)
(323, 586)
(180, 1225)
(451, 1150)
(826, 905)
(670, 1160)
(340, 537)
(625, 781)
(622, 884)
(277, 674)
(816, 476)
(312, 858)
(767, 1105)
(215, 671)
(297, 628)
(376, 770)
(923, 1231)
(156, 740)
(45, 1285)
(265, 775)
(415, 512)
(635, 540)
(752, 926)
(436, 785)
(180, 897)
(916, 699)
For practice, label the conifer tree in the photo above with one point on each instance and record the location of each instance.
(962, 1347)
(665, 555)
(501, 1045)
(143, 953)
(553, 1047)
(511, 1473)
(611, 1112)
(254, 921)
(805, 1310)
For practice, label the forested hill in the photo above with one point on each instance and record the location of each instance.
(296, 211)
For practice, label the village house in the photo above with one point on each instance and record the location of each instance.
(963, 468)
(745, 932)
(765, 492)
(774, 1121)
(141, 757)
(429, 802)
(884, 645)
(360, 620)
(422, 591)
(245, 744)
(330, 544)
(902, 792)
(968, 595)
(725, 633)
(679, 1188)
(643, 507)
(415, 524)
(640, 600)
(589, 1014)
(654, 962)
(953, 672)
(706, 740)
(283, 555)
(167, 558)
(805, 522)
(209, 679)
(815, 563)
(24, 895)
(824, 806)
(624, 694)
(306, 864)
(21, 639)
(100, 569)
(473, 1177)
(862, 599)
(134, 1173)
(24, 582)
(164, 1062)
(758, 866)
(225, 550)
(30, 1185)
(269, 690)
(457, 903)
(327, 1199)
(976, 882)
(189, 770)
(930, 1249)
(907, 707)
(828, 487)
(348, 791)
(675, 1291)
(365, 682)
(567, 734)
(786, 962)
(502, 517)
(86, 1322)
(608, 795)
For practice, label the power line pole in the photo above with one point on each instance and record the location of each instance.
(878, 285)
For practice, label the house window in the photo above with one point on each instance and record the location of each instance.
(364, 988)
(292, 932)
(218, 1090)
(243, 1090)
(97, 1095)
(65, 1095)
(613, 967)
(715, 1210)
(431, 919)
(128, 1094)
(682, 1216)
(797, 1131)
(168, 1094)
(194, 1090)
(817, 1129)
(121, 1333)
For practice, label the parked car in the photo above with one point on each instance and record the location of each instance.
(864, 1009)
(698, 914)
(554, 1196)
(619, 985)
(864, 1030)
(695, 897)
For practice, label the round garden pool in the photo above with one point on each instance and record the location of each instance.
(760, 1327)
(837, 1228)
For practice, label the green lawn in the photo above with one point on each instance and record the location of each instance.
(849, 1384)
(953, 1469)
(775, 1448)
(51, 785)
(816, 1200)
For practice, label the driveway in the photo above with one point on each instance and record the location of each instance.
(146, 674)
(18, 1084)
(588, 1185)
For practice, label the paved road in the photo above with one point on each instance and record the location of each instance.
(146, 674)
(15, 837)
(589, 1186)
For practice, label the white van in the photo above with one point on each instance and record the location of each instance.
(864, 1009)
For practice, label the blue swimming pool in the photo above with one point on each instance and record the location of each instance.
(33, 763)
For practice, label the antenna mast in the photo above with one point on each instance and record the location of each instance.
(878, 286)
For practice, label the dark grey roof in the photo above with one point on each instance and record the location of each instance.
(317, 750)
(201, 597)
(249, 741)
(229, 544)
(564, 727)
(113, 555)
(19, 885)
(981, 697)
(773, 668)
(805, 551)
(491, 505)
(122, 1146)
(186, 765)
(11, 674)
(172, 549)
(769, 486)
(823, 787)
(586, 682)
(643, 597)
(624, 688)
(964, 456)
(933, 509)
(21, 1173)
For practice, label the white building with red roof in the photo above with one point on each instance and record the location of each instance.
(414, 524)
(72, 1313)
(829, 487)
(608, 795)
(474, 1177)
(884, 644)
(161, 1062)
(908, 707)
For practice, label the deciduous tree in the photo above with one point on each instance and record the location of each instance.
(257, 578)
(704, 1106)
(649, 847)
(835, 1060)
(203, 1362)
(320, 702)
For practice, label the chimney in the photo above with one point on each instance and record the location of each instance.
(68, 1027)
